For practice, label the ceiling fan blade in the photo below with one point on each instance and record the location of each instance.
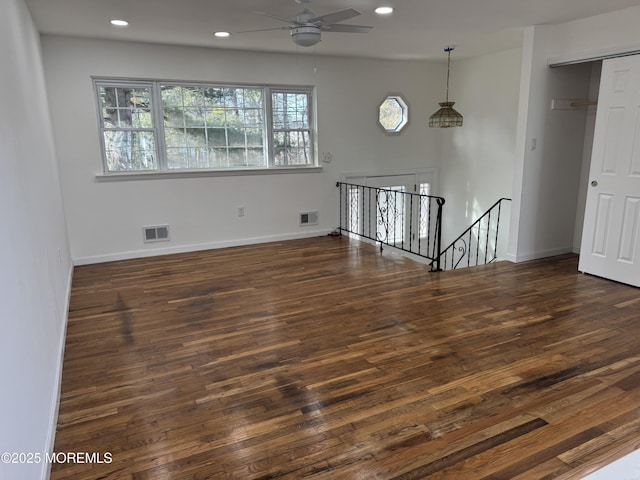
(345, 28)
(335, 17)
(264, 30)
(277, 17)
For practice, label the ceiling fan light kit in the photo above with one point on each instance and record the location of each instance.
(306, 36)
(446, 116)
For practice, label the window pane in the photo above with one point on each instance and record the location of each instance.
(253, 99)
(233, 116)
(214, 97)
(236, 98)
(138, 97)
(236, 137)
(393, 114)
(279, 148)
(125, 107)
(255, 157)
(141, 119)
(255, 137)
(216, 117)
(196, 137)
(129, 150)
(290, 110)
(108, 97)
(292, 148)
(176, 158)
(218, 157)
(193, 157)
(171, 95)
(201, 157)
(124, 118)
(390, 114)
(253, 117)
(174, 137)
(217, 136)
(173, 117)
(193, 117)
(143, 153)
(193, 96)
(229, 97)
(237, 157)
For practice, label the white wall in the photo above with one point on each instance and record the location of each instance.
(34, 254)
(477, 161)
(105, 218)
(546, 179)
(593, 37)
(543, 223)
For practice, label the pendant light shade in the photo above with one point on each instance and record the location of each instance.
(446, 116)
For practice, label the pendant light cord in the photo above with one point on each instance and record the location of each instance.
(448, 50)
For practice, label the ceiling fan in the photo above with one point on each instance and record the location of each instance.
(306, 26)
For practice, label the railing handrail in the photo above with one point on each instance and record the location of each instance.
(413, 199)
(435, 197)
(474, 224)
(451, 246)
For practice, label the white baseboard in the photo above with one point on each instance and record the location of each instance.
(55, 401)
(537, 255)
(112, 257)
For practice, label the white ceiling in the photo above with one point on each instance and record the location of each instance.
(419, 29)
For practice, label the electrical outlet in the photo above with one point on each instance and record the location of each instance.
(240, 211)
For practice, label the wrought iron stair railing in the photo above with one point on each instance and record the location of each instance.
(478, 244)
(410, 222)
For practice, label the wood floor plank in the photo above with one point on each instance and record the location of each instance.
(323, 358)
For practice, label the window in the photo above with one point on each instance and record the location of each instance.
(213, 127)
(173, 127)
(291, 128)
(128, 135)
(393, 114)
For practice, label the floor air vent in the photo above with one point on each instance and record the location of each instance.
(308, 218)
(157, 233)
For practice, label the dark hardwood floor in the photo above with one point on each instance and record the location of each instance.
(323, 359)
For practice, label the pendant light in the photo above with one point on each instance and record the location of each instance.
(447, 116)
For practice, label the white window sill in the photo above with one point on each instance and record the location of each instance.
(123, 176)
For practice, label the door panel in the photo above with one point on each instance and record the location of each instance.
(611, 243)
(602, 225)
(629, 235)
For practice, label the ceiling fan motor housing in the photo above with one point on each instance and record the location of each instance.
(305, 35)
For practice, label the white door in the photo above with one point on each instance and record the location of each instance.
(611, 232)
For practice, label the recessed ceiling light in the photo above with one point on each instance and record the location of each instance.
(222, 34)
(119, 23)
(384, 10)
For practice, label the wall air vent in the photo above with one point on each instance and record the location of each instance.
(156, 233)
(308, 218)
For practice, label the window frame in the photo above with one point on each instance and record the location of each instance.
(158, 129)
(404, 108)
(102, 129)
(272, 130)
